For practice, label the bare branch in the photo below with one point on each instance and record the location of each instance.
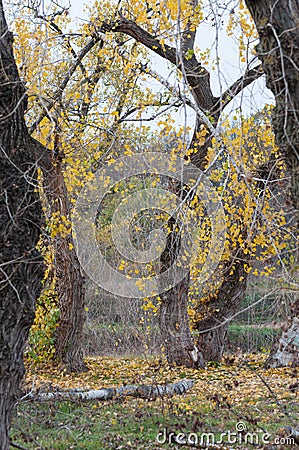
(15, 445)
(56, 28)
(57, 94)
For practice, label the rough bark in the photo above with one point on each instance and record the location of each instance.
(174, 324)
(173, 314)
(21, 265)
(214, 326)
(285, 350)
(277, 23)
(69, 278)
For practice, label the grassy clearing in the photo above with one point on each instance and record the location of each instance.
(224, 395)
(251, 337)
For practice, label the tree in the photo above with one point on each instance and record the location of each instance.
(256, 227)
(232, 273)
(66, 112)
(153, 32)
(20, 211)
(68, 275)
(277, 23)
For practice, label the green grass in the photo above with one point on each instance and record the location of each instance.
(92, 426)
(238, 390)
(251, 338)
(134, 424)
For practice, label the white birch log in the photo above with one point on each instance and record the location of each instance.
(141, 391)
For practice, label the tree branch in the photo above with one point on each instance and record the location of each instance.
(197, 76)
(57, 94)
(56, 28)
(188, 35)
(15, 445)
(130, 28)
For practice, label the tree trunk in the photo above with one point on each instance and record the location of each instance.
(70, 286)
(174, 327)
(285, 351)
(20, 218)
(173, 312)
(277, 23)
(218, 311)
(145, 391)
(69, 278)
(220, 299)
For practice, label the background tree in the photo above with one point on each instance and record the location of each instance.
(79, 110)
(223, 301)
(278, 26)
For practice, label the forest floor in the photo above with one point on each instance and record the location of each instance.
(233, 405)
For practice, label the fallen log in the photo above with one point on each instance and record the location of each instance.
(292, 434)
(150, 392)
